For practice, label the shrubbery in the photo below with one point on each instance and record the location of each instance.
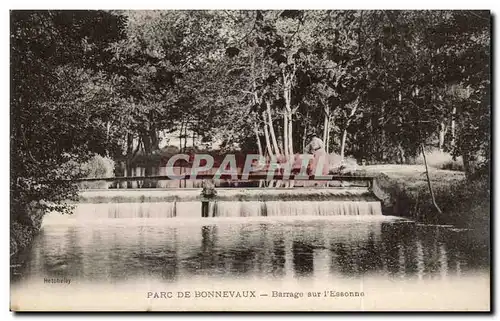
(348, 164)
(97, 167)
(464, 203)
(441, 160)
(31, 199)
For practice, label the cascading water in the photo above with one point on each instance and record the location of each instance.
(293, 208)
(124, 207)
(323, 208)
(255, 208)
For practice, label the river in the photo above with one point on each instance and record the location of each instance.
(133, 256)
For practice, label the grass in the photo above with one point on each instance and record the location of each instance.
(441, 160)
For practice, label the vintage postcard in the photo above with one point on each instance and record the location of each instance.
(250, 160)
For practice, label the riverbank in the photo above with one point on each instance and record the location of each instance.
(465, 204)
(24, 227)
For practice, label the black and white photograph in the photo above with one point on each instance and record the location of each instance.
(250, 160)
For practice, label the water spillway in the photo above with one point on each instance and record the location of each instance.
(193, 209)
(188, 203)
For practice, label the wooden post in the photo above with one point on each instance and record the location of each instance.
(204, 208)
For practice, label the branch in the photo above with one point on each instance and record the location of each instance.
(247, 92)
(253, 27)
(138, 146)
(27, 147)
(353, 111)
(229, 15)
(478, 16)
(296, 31)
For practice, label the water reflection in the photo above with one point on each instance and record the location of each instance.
(315, 248)
(303, 258)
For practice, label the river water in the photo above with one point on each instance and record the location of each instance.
(124, 256)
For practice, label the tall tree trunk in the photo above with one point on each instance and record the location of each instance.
(442, 134)
(342, 145)
(467, 158)
(327, 142)
(468, 162)
(344, 135)
(146, 140)
(268, 141)
(194, 137)
(148, 170)
(259, 145)
(290, 136)
(108, 129)
(402, 157)
(180, 136)
(185, 137)
(453, 126)
(130, 153)
(326, 130)
(304, 135)
(152, 132)
(325, 123)
(130, 144)
(431, 191)
(154, 139)
(288, 121)
(382, 136)
(271, 129)
(325, 127)
(285, 134)
(138, 147)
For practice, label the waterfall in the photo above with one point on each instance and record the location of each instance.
(125, 210)
(292, 208)
(193, 209)
(322, 208)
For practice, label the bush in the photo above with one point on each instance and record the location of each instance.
(441, 160)
(99, 166)
(21, 236)
(349, 163)
(464, 204)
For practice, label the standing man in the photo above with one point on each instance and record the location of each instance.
(320, 162)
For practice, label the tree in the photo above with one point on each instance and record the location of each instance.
(60, 100)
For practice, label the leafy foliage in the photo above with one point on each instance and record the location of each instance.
(60, 100)
(378, 83)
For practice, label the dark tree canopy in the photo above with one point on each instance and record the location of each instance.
(377, 84)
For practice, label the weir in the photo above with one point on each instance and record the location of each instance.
(193, 209)
(330, 196)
